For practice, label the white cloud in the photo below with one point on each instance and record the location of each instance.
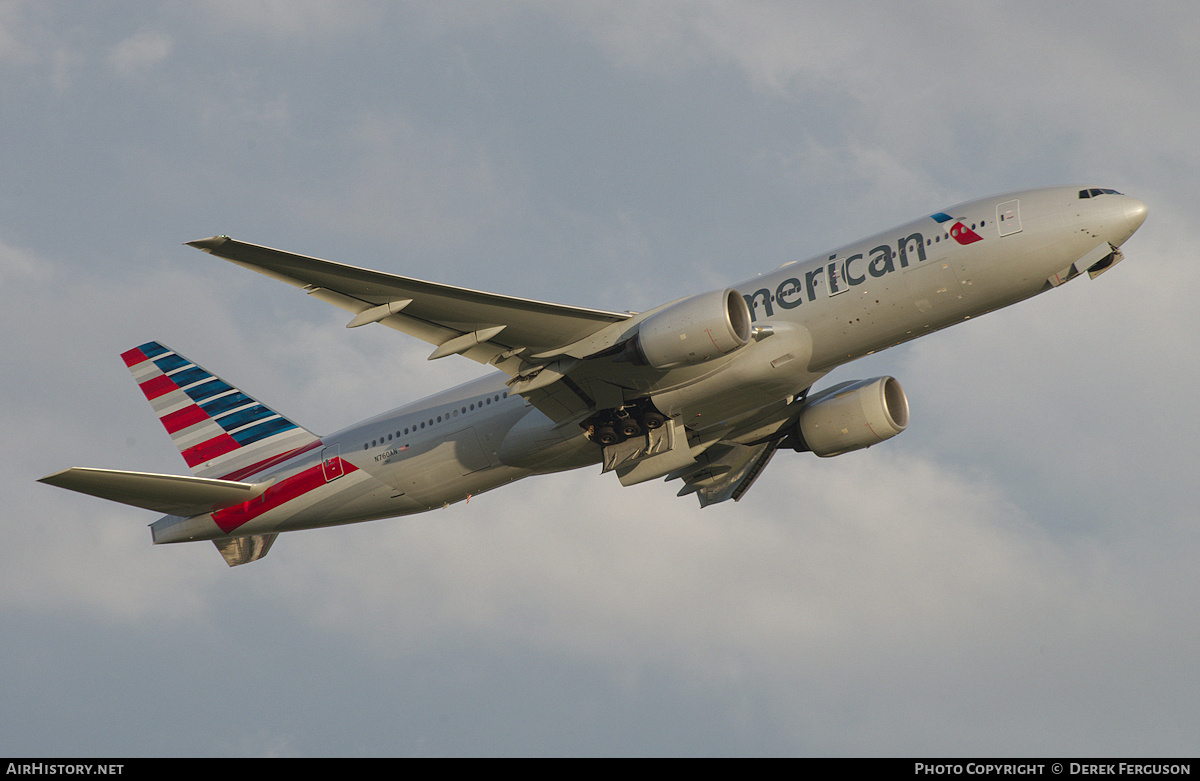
(18, 264)
(139, 53)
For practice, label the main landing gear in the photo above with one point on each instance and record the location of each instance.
(612, 426)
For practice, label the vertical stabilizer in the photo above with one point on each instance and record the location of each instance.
(220, 431)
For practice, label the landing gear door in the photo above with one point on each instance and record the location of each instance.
(331, 462)
(1008, 217)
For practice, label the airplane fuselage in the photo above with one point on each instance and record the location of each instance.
(810, 317)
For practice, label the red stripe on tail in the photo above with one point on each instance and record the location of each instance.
(217, 446)
(157, 386)
(181, 419)
(133, 357)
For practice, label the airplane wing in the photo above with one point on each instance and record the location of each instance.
(485, 327)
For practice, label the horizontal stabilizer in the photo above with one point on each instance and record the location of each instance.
(170, 494)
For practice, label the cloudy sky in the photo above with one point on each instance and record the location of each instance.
(1016, 574)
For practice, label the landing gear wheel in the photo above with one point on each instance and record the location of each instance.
(652, 420)
(605, 436)
(629, 428)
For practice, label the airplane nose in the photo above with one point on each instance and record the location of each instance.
(1135, 214)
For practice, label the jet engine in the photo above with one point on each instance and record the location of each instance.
(851, 416)
(694, 330)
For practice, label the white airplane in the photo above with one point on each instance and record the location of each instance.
(703, 390)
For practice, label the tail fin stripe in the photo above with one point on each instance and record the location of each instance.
(209, 389)
(244, 416)
(142, 354)
(206, 451)
(188, 416)
(134, 357)
(227, 403)
(151, 349)
(185, 378)
(157, 386)
(262, 431)
(171, 362)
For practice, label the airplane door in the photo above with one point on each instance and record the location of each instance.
(1008, 217)
(331, 462)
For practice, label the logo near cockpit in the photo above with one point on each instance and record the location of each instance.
(959, 232)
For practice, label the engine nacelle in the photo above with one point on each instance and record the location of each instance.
(695, 330)
(853, 415)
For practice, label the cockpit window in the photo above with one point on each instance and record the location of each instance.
(1096, 191)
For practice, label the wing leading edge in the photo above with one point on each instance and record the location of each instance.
(486, 327)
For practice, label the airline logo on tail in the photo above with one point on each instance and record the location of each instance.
(220, 431)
